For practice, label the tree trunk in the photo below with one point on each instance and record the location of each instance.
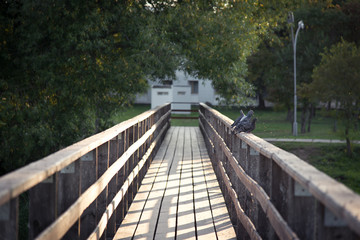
(261, 102)
(335, 125)
(290, 115)
(348, 143)
(329, 105)
(310, 116)
(303, 118)
(336, 116)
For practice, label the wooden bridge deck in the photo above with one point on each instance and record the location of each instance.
(179, 196)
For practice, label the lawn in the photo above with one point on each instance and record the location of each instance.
(270, 124)
(273, 124)
(330, 159)
(130, 112)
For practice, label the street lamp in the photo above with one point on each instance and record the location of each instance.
(294, 40)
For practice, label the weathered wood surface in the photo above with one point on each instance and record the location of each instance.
(279, 224)
(330, 195)
(179, 196)
(68, 218)
(21, 180)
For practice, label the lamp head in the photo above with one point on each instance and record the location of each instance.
(301, 24)
(290, 18)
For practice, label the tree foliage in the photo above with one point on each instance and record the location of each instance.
(336, 78)
(272, 66)
(66, 66)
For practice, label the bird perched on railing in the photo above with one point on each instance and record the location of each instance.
(242, 115)
(244, 123)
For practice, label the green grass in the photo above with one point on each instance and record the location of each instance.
(332, 160)
(137, 109)
(273, 124)
(130, 112)
(270, 124)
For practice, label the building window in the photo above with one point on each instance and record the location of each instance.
(181, 93)
(162, 93)
(194, 87)
(167, 82)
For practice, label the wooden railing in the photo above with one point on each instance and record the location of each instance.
(84, 190)
(273, 194)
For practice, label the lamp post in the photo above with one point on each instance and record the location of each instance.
(294, 40)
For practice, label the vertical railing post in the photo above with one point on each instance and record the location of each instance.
(242, 160)
(130, 165)
(120, 212)
(42, 196)
(301, 210)
(280, 189)
(103, 164)
(265, 181)
(88, 166)
(127, 168)
(112, 187)
(9, 219)
(237, 185)
(68, 191)
(136, 160)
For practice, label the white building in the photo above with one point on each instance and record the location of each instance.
(183, 91)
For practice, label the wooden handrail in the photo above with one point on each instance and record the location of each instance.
(145, 130)
(58, 229)
(280, 225)
(341, 201)
(18, 181)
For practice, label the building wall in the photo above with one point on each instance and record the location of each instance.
(203, 93)
(160, 96)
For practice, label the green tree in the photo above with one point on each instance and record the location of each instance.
(216, 37)
(66, 66)
(337, 78)
(318, 33)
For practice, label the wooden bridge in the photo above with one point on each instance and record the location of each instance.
(143, 179)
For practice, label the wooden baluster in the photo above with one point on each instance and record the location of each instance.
(112, 188)
(120, 212)
(135, 160)
(265, 181)
(68, 192)
(9, 219)
(242, 160)
(130, 165)
(42, 196)
(88, 166)
(330, 226)
(103, 165)
(237, 184)
(127, 167)
(280, 189)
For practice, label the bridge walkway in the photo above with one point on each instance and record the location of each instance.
(179, 196)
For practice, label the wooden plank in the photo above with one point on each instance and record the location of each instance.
(220, 215)
(167, 219)
(19, 181)
(148, 223)
(122, 192)
(186, 219)
(205, 228)
(147, 201)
